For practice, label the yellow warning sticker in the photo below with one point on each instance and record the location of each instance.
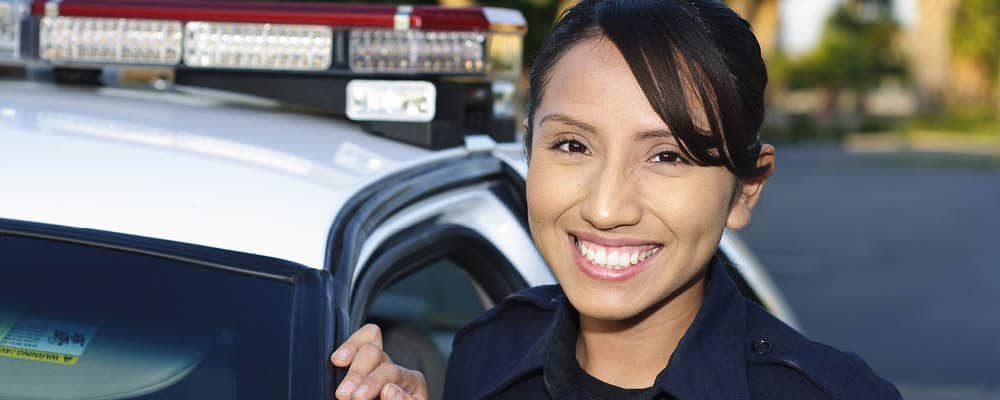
(37, 355)
(30, 337)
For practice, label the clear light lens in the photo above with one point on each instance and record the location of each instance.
(110, 40)
(410, 101)
(505, 52)
(11, 13)
(258, 46)
(408, 51)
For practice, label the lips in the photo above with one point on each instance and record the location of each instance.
(612, 259)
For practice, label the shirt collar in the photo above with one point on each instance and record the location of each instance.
(707, 364)
(709, 360)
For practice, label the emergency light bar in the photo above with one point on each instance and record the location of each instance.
(424, 75)
(370, 39)
(107, 40)
(255, 45)
(12, 12)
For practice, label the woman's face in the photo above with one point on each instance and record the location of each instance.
(616, 211)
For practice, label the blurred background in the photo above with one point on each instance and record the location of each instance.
(881, 225)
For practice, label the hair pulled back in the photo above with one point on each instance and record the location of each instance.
(676, 49)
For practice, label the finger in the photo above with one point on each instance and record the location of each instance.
(348, 385)
(368, 358)
(375, 383)
(409, 382)
(394, 392)
(413, 383)
(367, 334)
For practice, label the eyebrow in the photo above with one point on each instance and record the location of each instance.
(566, 119)
(656, 134)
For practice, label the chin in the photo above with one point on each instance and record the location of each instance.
(607, 312)
(608, 301)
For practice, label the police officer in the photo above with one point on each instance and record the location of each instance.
(642, 143)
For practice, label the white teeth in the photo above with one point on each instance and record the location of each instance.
(612, 258)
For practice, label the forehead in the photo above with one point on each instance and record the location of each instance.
(593, 81)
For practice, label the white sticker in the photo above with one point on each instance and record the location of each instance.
(44, 339)
(32, 333)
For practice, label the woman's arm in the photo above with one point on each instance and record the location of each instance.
(371, 373)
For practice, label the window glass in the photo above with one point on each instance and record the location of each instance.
(420, 315)
(79, 321)
(438, 299)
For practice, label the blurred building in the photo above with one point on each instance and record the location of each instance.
(765, 17)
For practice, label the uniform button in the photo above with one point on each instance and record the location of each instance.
(761, 346)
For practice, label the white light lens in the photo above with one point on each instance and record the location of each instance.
(258, 46)
(410, 101)
(110, 40)
(10, 28)
(407, 51)
(505, 51)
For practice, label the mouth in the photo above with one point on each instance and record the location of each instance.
(612, 261)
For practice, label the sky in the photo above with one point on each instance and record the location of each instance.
(803, 20)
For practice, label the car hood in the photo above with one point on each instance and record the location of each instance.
(209, 170)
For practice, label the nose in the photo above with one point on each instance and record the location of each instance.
(611, 200)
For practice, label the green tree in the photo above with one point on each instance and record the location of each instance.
(857, 51)
(976, 36)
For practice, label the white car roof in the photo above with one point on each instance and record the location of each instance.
(184, 167)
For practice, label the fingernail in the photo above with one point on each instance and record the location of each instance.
(393, 392)
(360, 391)
(342, 354)
(345, 388)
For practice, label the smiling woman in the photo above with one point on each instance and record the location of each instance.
(642, 143)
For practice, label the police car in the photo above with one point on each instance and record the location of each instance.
(292, 172)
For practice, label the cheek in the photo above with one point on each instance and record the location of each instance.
(691, 206)
(549, 192)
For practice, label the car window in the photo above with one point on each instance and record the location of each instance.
(420, 315)
(79, 321)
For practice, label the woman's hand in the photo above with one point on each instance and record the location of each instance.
(372, 374)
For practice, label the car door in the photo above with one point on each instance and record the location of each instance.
(429, 249)
(93, 314)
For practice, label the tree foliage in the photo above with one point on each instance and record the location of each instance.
(976, 34)
(857, 50)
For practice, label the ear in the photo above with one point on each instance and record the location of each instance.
(749, 191)
(526, 154)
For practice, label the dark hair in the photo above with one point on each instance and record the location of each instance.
(670, 45)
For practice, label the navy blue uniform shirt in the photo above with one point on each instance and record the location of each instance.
(525, 349)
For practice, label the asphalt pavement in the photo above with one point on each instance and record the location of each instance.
(893, 256)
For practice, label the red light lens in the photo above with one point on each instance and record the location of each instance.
(332, 14)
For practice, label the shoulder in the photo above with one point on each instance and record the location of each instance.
(782, 363)
(496, 344)
(537, 304)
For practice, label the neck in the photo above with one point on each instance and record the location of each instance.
(631, 353)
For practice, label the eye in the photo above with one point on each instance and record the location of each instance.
(668, 157)
(570, 146)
